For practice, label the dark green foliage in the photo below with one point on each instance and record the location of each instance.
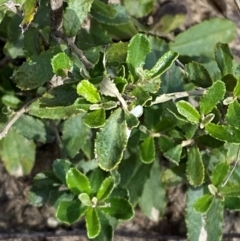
(116, 103)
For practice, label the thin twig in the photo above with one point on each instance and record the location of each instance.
(15, 117)
(231, 172)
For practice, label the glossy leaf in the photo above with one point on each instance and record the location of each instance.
(77, 182)
(92, 223)
(88, 91)
(224, 133)
(138, 48)
(147, 150)
(105, 188)
(230, 190)
(118, 208)
(106, 233)
(17, 153)
(233, 113)
(70, 212)
(162, 65)
(198, 75)
(212, 97)
(219, 173)
(201, 38)
(95, 119)
(224, 58)
(202, 204)
(61, 64)
(111, 141)
(85, 199)
(188, 111)
(195, 167)
(174, 154)
(74, 135)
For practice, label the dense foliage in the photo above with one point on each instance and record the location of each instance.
(132, 113)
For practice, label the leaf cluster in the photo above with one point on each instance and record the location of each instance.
(132, 113)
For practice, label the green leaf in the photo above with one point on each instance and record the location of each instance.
(43, 184)
(118, 208)
(17, 153)
(29, 10)
(174, 154)
(230, 190)
(232, 203)
(203, 204)
(139, 10)
(213, 221)
(33, 128)
(58, 112)
(105, 188)
(230, 82)
(188, 111)
(95, 119)
(104, 9)
(224, 58)
(212, 97)
(138, 48)
(77, 182)
(173, 176)
(116, 54)
(153, 199)
(70, 212)
(141, 96)
(36, 71)
(147, 150)
(219, 173)
(224, 133)
(194, 220)
(106, 233)
(92, 223)
(198, 75)
(237, 89)
(61, 64)
(56, 196)
(81, 9)
(134, 174)
(111, 141)
(60, 169)
(201, 38)
(71, 23)
(88, 91)
(109, 14)
(162, 65)
(233, 113)
(74, 135)
(85, 199)
(195, 167)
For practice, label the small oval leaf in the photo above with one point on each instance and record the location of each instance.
(77, 182)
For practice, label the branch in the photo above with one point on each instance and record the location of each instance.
(172, 96)
(15, 117)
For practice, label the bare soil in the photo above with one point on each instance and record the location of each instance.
(17, 216)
